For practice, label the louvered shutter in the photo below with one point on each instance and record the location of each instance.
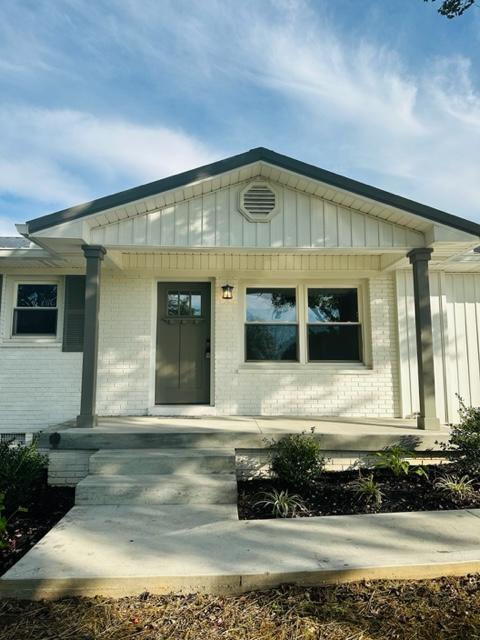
(73, 318)
(1, 290)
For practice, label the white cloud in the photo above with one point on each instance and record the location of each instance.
(7, 227)
(349, 104)
(412, 130)
(54, 156)
(417, 130)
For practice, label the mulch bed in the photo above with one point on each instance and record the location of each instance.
(47, 507)
(444, 609)
(333, 494)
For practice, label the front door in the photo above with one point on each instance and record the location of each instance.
(183, 343)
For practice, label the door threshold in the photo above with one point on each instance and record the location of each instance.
(182, 410)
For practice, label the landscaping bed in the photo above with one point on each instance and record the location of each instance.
(45, 507)
(444, 609)
(336, 493)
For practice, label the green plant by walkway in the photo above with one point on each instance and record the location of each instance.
(297, 459)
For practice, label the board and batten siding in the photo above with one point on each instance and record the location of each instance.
(455, 303)
(214, 220)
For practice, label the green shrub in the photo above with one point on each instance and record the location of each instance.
(368, 490)
(21, 468)
(394, 459)
(464, 444)
(297, 459)
(281, 503)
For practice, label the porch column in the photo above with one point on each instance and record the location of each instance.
(94, 255)
(419, 259)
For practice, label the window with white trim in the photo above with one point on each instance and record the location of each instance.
(333, 328)
(307, 324)
(35, 310)
(271, 327)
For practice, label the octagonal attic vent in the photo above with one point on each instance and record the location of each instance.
(258, 201)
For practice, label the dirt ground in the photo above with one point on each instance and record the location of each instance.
(24, 530)
(442, 609)
(333, 494)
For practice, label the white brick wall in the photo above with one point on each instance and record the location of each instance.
(310, 391)
(127, 335)
(41, 386)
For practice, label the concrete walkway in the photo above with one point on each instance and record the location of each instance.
(118, 550)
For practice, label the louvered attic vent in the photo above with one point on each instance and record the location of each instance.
(258, 201)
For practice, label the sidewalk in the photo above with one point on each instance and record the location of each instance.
(120, 550)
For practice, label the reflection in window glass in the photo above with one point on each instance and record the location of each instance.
(271, 305)
(271, 342)
(36, 311)
(184, 303)
(172, 304)
(332, 305)
(333, 331)
(37, 295)
(271, 331)
(196, 304)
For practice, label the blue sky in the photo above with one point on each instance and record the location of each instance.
(101, 96)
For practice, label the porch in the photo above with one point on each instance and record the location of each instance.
(345, 442)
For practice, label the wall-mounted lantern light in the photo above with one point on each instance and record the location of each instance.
(227, 292)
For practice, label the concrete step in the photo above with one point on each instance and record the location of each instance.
(162, 461)
(124, 438)
(157, 489)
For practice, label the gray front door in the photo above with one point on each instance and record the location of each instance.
(183, 343)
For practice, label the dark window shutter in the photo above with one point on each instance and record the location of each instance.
(1, 289)
(73, 318)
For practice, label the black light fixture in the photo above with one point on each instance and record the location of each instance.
(227, 292)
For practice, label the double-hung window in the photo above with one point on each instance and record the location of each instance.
(271, 329)
(333, 327)
(36, 310)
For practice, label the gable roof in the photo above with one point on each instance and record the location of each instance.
(243, 159)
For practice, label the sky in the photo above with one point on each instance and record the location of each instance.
(102, 96)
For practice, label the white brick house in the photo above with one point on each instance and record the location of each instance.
(321, 320)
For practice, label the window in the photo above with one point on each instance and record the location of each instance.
(36, 310)
(271, 330)
(184, 304)
(333, 327)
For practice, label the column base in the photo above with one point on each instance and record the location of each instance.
(428, 424)
(87, 421)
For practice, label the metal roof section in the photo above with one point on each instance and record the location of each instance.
(14, 242)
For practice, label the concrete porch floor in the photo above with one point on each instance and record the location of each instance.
(242, 432)
(262, 424)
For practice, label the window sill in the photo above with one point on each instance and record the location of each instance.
(344, 368)
(13, 343)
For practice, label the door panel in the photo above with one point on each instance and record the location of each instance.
(183, 343)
